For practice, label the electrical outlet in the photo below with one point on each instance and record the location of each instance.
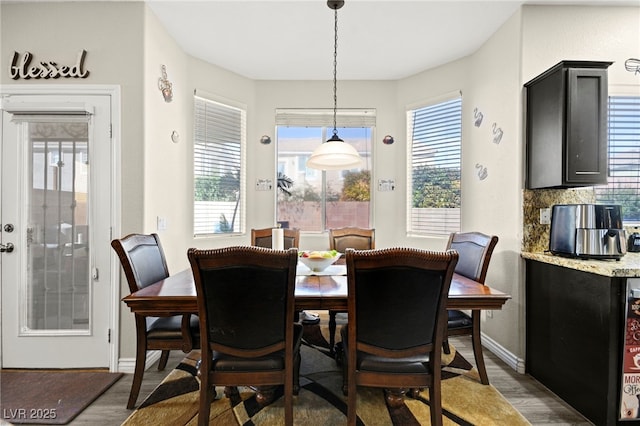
(545, 216)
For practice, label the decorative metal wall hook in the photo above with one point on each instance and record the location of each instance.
(477, 117)
(497, 133)
(165, 85)
(632, 65)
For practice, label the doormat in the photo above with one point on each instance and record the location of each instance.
(51, 397)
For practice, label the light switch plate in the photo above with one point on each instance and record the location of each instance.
(264, 184)
(386, 185)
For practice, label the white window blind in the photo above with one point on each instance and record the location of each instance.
(218, 164)
(624, 157)
(435, 136)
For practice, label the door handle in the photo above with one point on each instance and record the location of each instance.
(8, 248)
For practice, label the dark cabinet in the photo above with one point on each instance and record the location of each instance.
(566, 122)
(574, 340)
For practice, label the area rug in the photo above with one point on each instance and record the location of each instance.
(51, 397)
(465, 400)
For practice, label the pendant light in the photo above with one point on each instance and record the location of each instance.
(335, 154)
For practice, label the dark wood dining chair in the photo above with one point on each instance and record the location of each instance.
(394, 335)
(143, 262)
(247, 333)
(262, 238)
(340, 239)
(475, 250)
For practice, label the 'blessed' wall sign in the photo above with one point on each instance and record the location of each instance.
(21, 68)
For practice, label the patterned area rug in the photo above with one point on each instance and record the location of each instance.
(465, 400)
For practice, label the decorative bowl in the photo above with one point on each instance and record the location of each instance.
(319, 260)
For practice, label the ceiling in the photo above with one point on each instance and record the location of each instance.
(377, 40)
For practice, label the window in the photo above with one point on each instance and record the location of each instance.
(434, 133)
(218, 165)
(624, 157)
(312, 200)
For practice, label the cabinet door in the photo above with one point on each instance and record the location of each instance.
(586, 140)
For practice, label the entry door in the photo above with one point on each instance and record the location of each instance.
(55, 231)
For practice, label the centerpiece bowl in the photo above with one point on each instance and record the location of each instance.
(319, 260)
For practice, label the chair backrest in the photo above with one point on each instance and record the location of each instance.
(142, 259)
(245, 298)
(475, 249)
(397, 299)
(262, 238)
(356, 238)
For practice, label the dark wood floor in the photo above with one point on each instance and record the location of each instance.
(533, 400)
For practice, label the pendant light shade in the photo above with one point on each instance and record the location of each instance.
(335, 154)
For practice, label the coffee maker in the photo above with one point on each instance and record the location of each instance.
(587, 231)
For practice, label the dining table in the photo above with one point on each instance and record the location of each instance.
(324, 290)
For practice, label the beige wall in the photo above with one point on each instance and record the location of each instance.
(126, 46)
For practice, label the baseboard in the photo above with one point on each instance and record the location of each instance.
(498, 350)
(128, 365)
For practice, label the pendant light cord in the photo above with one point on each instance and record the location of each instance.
(335, 66)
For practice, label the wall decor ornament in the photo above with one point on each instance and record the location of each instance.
(497, 133)
(165, 85)
(632, 65)
(477, 117)
(482, 171)
(265, 140)
(21, 68)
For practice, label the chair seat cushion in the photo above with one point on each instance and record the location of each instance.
(170, 327)
(368, 362)
(458, 319)
(275, 361)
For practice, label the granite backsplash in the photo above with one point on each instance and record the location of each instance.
(535, 237)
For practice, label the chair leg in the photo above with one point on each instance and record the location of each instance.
(141, 358)
(445, 347)
(205, 400)
(332, 331)
(163, 360)
(435, 402)
(477, 348)
(296, 374)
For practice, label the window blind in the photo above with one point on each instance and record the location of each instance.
(298, 117)
(435, 135)
(624, 157)
(219, 134)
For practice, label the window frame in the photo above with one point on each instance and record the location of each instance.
(452, 217)
(241, 132)
(322, 120)
(599, 191)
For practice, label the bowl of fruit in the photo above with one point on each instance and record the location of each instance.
(319, 260)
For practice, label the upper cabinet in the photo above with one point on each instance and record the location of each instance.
(566, 119)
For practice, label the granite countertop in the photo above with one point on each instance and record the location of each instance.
(628, 266)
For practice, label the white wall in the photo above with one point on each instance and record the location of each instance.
(126, 45)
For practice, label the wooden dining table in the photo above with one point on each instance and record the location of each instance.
(176, 295)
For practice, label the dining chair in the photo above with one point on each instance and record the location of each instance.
(394, 335)
(247, 333)
(262, 238)
(340, 239)
(475, 250)
(143, 261)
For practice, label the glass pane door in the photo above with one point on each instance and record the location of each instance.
(57, 226)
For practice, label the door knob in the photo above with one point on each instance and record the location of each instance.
(6, 248)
